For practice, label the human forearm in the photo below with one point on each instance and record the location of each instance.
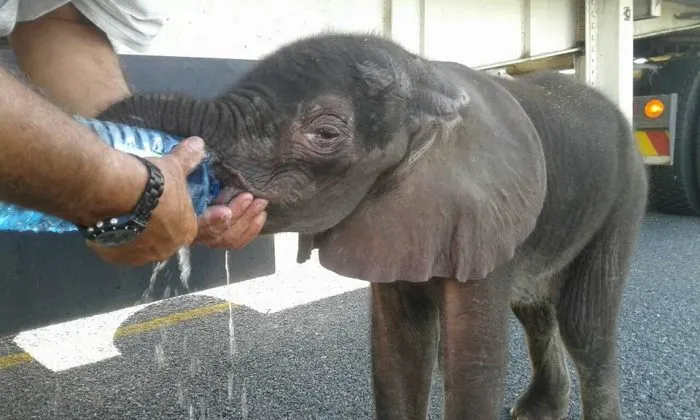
(71, 60)
(51, 163)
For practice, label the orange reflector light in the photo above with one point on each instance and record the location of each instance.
(654, 109)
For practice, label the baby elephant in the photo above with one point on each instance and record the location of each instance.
(458, 195)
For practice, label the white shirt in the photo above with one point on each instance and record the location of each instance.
(133, 23)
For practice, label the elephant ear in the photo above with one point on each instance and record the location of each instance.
(467, 194)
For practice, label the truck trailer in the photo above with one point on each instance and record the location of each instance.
(643, 54)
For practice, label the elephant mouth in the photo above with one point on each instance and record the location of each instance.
(234, 185)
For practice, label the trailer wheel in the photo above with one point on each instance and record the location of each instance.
(676, 189)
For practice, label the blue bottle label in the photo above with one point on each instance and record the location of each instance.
(141, 142)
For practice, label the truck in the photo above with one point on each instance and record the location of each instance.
(643, 54)
(666, 108)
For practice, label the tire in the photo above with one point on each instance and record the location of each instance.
(676, 189)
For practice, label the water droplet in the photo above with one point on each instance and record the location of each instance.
(203, 409)
(230, 386)
(146, 296)
(231, 334)
(184, 263)
(244, 402)
(180, 394)
(160, 355)
(195, 366)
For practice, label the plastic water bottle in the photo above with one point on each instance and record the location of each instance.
(145, 143)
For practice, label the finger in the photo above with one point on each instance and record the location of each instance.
(256, 226)
(237, 233)
(253, 230)
(188, 154)
(240, 204)
(247, 234)
(215, 216)
(247, 226)
(228, 236)
(213, 222)
(255, 208)
(241, 217)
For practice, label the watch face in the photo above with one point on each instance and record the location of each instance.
(116, 237)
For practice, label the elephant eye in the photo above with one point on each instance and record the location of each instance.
(327, 132)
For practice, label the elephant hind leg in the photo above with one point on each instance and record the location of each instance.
(547, 396)
(587, 312)
(405, 330)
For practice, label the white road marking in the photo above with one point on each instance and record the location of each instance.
(89, 340)
(75, 343)
(276, 293)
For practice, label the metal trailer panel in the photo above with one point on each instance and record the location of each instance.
(49, 278)
(676, 16)
(476, 33)
(249, 29)
(646, 9)
(479, 33)
(487, 32)
(609, 44)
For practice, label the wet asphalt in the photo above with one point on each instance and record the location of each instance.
(312, 361)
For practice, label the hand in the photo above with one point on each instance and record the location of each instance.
(234, 225)
(173, 222)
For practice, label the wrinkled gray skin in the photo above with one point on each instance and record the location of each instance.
(457, 194)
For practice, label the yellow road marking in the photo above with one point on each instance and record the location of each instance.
(14, 359)
(128, 330)
(170, 320)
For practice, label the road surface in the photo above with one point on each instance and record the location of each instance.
(301, 348)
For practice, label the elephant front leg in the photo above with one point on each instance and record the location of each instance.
(474, 318)
(404, 343)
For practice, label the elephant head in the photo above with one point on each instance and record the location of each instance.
(393, 166)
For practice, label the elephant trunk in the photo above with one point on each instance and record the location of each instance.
(238, 127)
(175, 114)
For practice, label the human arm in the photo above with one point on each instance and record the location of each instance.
(52, 164)
(71, 60)
(88, 78)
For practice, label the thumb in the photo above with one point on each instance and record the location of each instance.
(188, 154)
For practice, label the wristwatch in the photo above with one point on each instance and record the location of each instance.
(121, 230)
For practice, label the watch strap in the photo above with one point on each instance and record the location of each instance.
(137, 220)
(151, 194)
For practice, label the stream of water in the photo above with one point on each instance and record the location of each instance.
(185, 267)
(147, 295)
(184, 263)
(232, 342)
(231, 334)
